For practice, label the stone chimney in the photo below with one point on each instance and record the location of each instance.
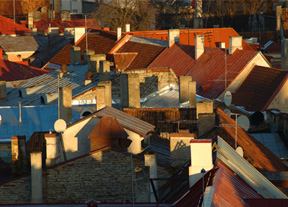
(100, 97)
(278, 17)
(36, 177)
(205, 123)
(151, 162)
(3, 92)
(180, 147)
(199, 46)
(173, 36)
(87, 55)
(119, 33)
(19, 155)
(94, 62)
(201, 158)
(198, 16)
(30, 20)
(75, 55)
(104, 70)
(108, 92)
(235, 42)
(184, 88)
(192, 94)
(204, 107)
(66, 103)
(130, 90)
(127, 27)
(52, 149)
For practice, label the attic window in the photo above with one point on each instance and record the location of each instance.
(86, 113)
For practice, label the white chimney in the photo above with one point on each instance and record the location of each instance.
(201, 158)
(78, 33)
(119, 31)
(127, 27)
(36, 177)
(151, 162)
(173, 36)
(222, 45)
(199, 46)
(235, 42)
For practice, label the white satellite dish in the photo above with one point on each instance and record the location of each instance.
(240, 151)
(60, 125)
(244, 122)
(228, 112)
(227, 98)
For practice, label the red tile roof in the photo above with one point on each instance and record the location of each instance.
(146, 53)
(43, 25)
(259, 88)
(8, 27)
(213, 36)
(255, 152)
(209, 70)
(11, 71)
(98, 40)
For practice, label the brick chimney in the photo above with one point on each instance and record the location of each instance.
(36, 177)
(151, 162)
(75, 55)
(173, 36)
(199, 46)
(66, 104)
(52, 149)
(104, 70)
(180, 147)
(94, 62)
(192, 94)
(3, 92)
(201, 158)
(130, 90)
(184, 88)
(19, 156)
(235, 42)
(127, 27)
(119, 33)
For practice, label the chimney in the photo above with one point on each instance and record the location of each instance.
(100, 97)
(75, 55)
(151, 162)
(57, 6)
(119, 31)
(30, 20)
(3, 92)
(180, 147)
(52, 149)
(235, 42)
(19, 158)
(192, 94)
(198, 16)
(65, 16)
(199, 46)
(104, 70)
(66, 104)
(184, 88)
(205, 123)
(34, 31)
(53, 31)
(127, 27)
(93, 62)
(173, 36)
(204, 107)
(87, 54)
(78, 33)
(108, 92)
(222, 45)
(36, 177)
(278, 17)
(201, 158)
(130, 90)
(51, 15)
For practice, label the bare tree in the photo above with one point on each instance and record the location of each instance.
(140, 14)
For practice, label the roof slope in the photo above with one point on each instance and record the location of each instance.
(19, 43)
(98, 40)
(255, 152)
(213, 36)
(259, 88)
(209, 70)
(11, 71)
(8, 27)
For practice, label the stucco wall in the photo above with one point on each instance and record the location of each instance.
(281, 99)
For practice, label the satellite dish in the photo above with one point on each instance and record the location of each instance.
(240, 151)
(244, 122)
(227, 98)
(60, 125)
(228, 112)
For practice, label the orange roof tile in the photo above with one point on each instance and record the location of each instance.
(213, 36)
(255, 152)
(259, 88)
(8, 27)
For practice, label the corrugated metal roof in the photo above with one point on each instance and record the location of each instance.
(18, 44)
(149, 41)
(127, 121)
(73, 78)
(247, 172)
(208, 70)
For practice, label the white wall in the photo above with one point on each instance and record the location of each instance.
(281, 99)
(135, 146)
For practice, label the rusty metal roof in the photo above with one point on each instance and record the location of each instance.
(259, 88)
(127, 121)
(209, 70)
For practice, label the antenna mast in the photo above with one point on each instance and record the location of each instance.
(86, 35)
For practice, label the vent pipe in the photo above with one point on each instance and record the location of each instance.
(20, 113)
